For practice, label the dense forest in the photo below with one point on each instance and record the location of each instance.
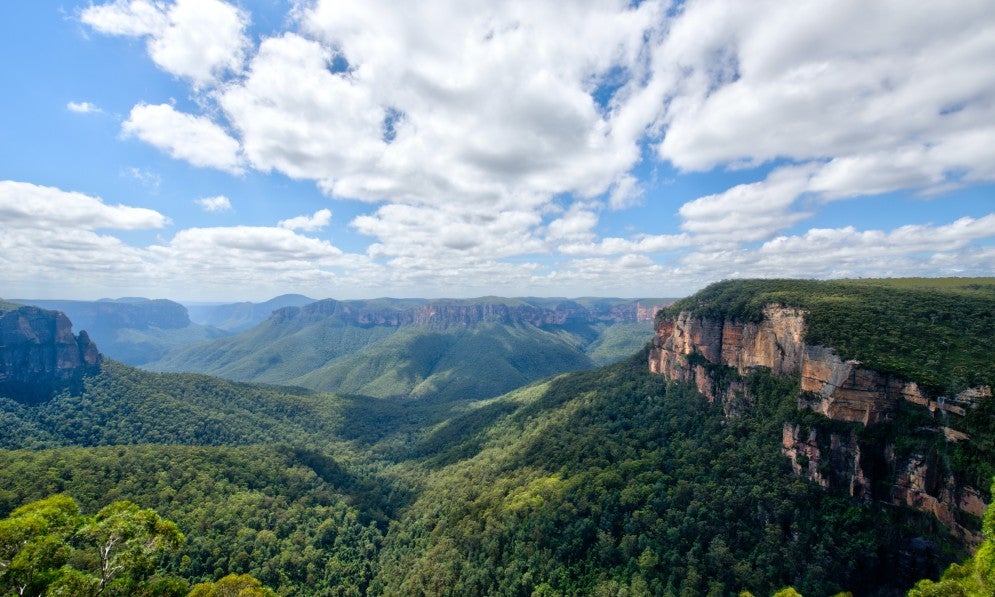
(610, 481)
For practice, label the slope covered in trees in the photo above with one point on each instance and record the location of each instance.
(608, 481)
(446, 349)
(593, 481)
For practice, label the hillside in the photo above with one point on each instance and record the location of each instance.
(607, 481)
(238, 317)
(593, 480)
(132, 330)
(448, 349)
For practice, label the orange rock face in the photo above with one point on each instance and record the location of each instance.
(840, 390)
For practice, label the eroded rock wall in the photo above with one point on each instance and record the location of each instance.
(40, 356)
(693, 349)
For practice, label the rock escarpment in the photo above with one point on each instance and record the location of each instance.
(443, 314)
(706, 352)
(40, 356)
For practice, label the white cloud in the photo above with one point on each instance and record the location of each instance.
(25, 205)
(317, 221)
(444, 238)
(83, 108)
(47, 236)
(646, 243)
(877, 89)
(214, 204)
(196, 39)
(626, 192)
(576, 225)
(748, 212)
(147, 178)
(123, 17)
(195, 139)
(467, 125)
(848, 252)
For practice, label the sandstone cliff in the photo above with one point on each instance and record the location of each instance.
(443, 314)
(40, 356)
(705, 352)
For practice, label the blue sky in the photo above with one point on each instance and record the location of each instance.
(209, 150)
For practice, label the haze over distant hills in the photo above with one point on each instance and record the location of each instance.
(472, 348)
(238, 317)
(133, 330)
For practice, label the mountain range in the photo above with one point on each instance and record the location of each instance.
(445, 349)
(832, 436)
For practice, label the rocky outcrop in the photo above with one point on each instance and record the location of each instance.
(704, 352)
(835, 459)
(40, 356)
(684, 345)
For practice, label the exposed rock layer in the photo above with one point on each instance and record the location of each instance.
(444, 314)
(40, 356)
(693, 349)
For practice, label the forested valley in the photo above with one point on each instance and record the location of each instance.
(612, 481)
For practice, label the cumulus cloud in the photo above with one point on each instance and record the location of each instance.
(29, 206)
(747, 84)
(944, 249)
(47, 234)
(214, 204)
(195, 139)
(646, 243)
(445, 238)
(748, 212)
(196, 39)
(83, 108)
(468, 125)
(317, 221)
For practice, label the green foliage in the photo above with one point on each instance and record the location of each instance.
(931, 331)
(973, 578)
(478, 361)
(285, 516)
(616, 479)
(48, 547)
(610, 481)
(33, 544)
(233, 585)
(124, 405)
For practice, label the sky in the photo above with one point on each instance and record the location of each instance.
(204, 150)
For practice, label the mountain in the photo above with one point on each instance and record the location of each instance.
(40, 356)
(133, 330)
(667, 473)
(238, 317)
(446, 349)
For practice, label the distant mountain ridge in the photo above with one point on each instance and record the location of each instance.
(444, 313)
(133, 330)
(238, 317)
(448, 348)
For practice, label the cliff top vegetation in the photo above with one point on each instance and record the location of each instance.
(935, 331)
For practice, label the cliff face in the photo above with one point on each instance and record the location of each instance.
(444, 314)
(112, 315)
(40, 356)
(694, 349)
